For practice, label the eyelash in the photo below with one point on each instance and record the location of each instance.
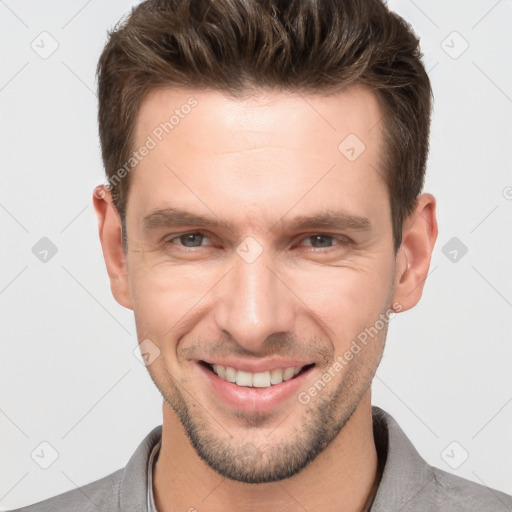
(342, 241)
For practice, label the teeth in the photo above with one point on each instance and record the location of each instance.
(288, 373)
(230, 373)
(221, 372)
(244, 379)
(276, 376)
(261, 380)
(256, 380)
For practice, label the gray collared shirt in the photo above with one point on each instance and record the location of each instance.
(408, 482)
(152, 459)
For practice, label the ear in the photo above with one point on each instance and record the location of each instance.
(419, 235)
(110, 232)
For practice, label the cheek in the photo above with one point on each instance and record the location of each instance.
(169, 300)
(344, 301)
(166, 296)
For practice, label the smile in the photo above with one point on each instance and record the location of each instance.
(254, 386)
(257, 380)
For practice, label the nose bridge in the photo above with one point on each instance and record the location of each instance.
(253, 303)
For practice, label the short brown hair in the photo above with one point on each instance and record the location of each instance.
(235, 46)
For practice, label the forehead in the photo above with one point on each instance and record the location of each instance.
(261, 115)
(258, 152)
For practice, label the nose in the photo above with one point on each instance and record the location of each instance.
(253, 303)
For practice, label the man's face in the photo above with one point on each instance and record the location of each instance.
(292, 262)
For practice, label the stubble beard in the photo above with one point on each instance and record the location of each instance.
(317, 424)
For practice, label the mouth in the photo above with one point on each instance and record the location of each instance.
(267, 390)
(264, 379)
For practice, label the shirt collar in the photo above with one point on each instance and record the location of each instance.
(405, 474)
(152, 459)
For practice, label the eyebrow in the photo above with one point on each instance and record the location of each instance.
(169, 217)
(327, 219)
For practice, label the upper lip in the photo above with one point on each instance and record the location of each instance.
(257, 366)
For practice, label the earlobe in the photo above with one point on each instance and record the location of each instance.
(419, 235)
(110, 233)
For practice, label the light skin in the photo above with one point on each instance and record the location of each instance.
(255, 165)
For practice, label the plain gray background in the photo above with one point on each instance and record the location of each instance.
(68, 373)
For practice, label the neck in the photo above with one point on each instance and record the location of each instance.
(343, 478)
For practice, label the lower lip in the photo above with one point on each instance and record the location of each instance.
(254, 400)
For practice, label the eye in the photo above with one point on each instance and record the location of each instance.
(320, 241)
(188, 240)
(324, 241)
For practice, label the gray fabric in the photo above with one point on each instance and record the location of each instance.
(408, 483)
(150, 503)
